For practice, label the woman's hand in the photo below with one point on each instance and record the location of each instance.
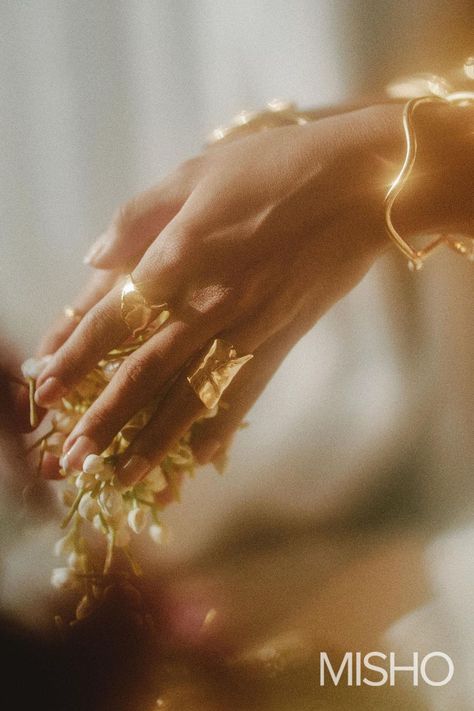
(256, 240)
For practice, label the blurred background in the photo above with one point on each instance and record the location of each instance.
(345, 516)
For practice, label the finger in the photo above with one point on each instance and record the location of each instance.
(50, 468)
(101, 329)
(139, 381)
(15, 404)
(175, 414)
(99, 284)
(138, 222)
(159, 274)
(212, 437)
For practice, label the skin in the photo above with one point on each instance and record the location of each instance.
(252, 241)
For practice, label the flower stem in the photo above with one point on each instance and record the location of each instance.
(33, 410)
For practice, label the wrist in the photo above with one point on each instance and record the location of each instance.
(437, 195)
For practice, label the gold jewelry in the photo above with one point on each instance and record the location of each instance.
(215, 372)
(276, 113)
(137, 312)
(73, 314)
(436, 90)
(423, 88)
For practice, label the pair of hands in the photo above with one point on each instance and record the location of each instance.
(252, 242)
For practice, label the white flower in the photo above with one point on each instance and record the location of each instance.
(85, 480)
(110, 501)
(110, 368)
(63, 545)
(88, 507)
(156, 533)
(93, 464)
(77, 562)
(155, 480)
(97, 523)
(137, 519)
(33, 367)
(62, 578)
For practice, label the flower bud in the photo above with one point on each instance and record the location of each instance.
(110, 500)
(156, 533)
(93, 464)
(77, 562)
(62, 578)
(88, 507)
(137, 519)
(63, 545)
(110, 368)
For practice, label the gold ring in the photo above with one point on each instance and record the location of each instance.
(136, 312)
(215, 372)
(73, 314)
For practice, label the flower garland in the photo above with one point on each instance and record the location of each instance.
(97, 503)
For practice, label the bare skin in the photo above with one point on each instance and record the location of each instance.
(252, 241)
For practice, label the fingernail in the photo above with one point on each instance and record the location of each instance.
(96, 249)
(74, 457)
(207, 450)
(133, 469)
(49, 392)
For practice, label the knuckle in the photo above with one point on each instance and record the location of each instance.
(141, 370)
(189, 167)
(217, 300)
(96, 327)
(132, 371)
(125, 217)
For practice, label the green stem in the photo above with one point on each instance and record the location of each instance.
(66, 521)
(41, 439)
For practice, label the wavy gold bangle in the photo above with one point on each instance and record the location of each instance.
(419, 89)
(439, 91)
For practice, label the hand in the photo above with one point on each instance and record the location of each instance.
(256, 240)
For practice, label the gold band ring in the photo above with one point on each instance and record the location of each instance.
(136, 312)
(215, 372)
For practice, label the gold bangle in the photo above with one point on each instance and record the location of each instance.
(419, 89)
(275, 114)
(439, 92)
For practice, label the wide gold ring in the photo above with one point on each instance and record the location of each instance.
(215, 372)
(137, 312)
